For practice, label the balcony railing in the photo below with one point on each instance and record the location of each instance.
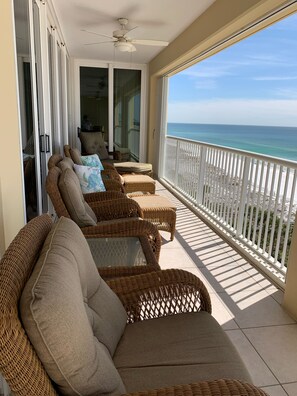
(253, 197)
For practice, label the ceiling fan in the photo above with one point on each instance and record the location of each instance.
(122, 42)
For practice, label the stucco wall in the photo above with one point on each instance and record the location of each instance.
(11, 192)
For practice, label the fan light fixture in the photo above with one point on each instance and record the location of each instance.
(124, 46)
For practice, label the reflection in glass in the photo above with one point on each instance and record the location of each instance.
(94, 99)
(127, 85)
(25, 102)
(40, 130)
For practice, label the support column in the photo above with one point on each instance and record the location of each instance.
(290, 298)
(12, 214)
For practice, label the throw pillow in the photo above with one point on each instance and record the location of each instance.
(92, 160)
(90, 178)
(93, 143)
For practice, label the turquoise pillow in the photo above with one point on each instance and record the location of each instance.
(92, 160)
(89, 178)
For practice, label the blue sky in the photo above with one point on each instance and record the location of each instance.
(253, 82)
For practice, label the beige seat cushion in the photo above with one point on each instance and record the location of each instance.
(140, 183)
(153, 201)
(72, 317)
(93, 143)
(178, 349)
(130, 167)
(77, 207)
(138, 179)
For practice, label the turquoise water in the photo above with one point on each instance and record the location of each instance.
(275, 141)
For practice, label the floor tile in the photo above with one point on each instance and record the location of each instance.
(255, 308)
(221, 313)
(229, 278)
(291, 389)
(175, 258)
(276, 390)
(196, 271)
(245, 303)
(277, 346)
(260, 373)
(277, 295)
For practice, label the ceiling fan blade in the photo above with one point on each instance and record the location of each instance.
(130, 30)
(98, 34)
(150, 42)
(100, 42)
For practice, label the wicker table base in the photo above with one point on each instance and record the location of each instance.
(158, 210)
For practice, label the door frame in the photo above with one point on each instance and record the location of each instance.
(77, 63)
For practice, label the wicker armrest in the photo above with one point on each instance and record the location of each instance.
(103, 196)
(132, 227)
(113, 185)
(109, 273)
(108, 165)
(221, 387)
(161, 293)
(116, 209)
(110, 174)
(117, 155)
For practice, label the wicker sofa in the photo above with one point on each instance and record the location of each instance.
(64, 331)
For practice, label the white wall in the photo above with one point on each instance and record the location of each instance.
(12, 215)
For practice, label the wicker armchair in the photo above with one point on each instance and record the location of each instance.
(143, 296)
(130, 181)
(110, 178)
(116, 217)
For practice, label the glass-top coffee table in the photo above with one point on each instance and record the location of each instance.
(123, 251)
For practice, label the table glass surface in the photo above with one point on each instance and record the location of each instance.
(115, 252)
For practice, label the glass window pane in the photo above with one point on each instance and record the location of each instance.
(94, 99)
(26, 105)
(127, 86)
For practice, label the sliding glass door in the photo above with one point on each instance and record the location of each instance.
(30, 100)
(43, 97)
(127, 90)
(110, 101)
(94, 100)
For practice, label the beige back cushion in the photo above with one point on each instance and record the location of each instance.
(74, 201)
(66, 163)
(93, 143)
(75, 155)
(73, 319)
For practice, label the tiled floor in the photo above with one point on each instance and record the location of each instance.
(244, 302)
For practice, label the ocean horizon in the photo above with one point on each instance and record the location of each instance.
(275, 141)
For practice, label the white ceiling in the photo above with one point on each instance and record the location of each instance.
(156, 20)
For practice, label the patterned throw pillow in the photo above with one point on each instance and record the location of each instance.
(89, 178)
(92, 160)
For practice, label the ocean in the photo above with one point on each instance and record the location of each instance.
(269, 140)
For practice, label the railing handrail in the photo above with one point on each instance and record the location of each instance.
(268, 158)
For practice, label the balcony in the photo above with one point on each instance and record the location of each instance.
(245, 302)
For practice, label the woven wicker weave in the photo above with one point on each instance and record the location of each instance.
(158, 210)
(18, 361)
(21, 366)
